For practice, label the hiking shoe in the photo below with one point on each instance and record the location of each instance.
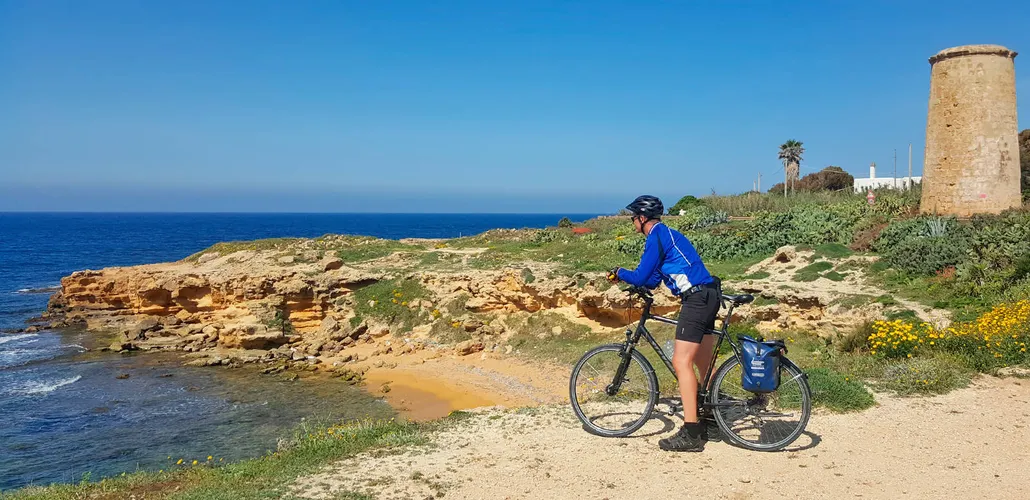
(688, 438)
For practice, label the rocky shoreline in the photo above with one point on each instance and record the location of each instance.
(298, 306)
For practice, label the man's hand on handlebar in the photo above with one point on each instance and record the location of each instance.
(613, 275)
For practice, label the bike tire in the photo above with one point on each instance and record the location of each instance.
(791, 373)
(652, 392)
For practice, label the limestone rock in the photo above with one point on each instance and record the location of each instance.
(286, 259)
(331, 264)
(329, 326)
(468, 347)
(207, 257)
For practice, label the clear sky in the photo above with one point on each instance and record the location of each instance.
(448, 106)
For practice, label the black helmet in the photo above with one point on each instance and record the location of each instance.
(648, 206)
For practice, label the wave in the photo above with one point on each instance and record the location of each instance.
(46, 289)
(18, 336)
(43, 387)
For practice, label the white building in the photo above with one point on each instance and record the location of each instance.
(874, 182)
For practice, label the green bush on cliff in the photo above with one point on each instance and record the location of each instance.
(394, 302)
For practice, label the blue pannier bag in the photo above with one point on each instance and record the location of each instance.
(761, 370)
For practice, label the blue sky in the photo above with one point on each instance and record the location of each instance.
(459, 106)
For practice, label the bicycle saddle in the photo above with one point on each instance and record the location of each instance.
(740, 299)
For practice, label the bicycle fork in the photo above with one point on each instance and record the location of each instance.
(620, 374)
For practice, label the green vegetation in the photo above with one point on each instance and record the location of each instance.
(228, 247)
(260, 478)
(359, 250)
(685, 203)
(837, 392)
(812, 271)
(832, 251)
(392, 302)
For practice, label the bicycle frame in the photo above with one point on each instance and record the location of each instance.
(633, 337)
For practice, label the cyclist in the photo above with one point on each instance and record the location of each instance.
(669, 257)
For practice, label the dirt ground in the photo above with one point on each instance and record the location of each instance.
(972, 443)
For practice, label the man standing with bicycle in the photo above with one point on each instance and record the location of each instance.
(669, 257)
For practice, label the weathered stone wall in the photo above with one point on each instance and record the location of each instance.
(972, 151)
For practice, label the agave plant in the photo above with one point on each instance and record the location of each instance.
(936, 227)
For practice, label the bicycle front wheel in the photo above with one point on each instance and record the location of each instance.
(608, 404)
(761, 421)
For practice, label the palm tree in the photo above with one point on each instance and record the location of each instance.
(791, 153)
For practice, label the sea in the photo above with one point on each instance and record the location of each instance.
(68, 411)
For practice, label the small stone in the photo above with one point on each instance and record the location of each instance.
(556, 330)
(286, 259)
(122, 376)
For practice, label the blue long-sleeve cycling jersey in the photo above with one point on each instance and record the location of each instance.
(680, 269)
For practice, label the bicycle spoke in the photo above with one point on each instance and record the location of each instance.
(762, 421)
(612, 413)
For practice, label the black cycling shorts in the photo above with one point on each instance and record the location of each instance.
(697, 315)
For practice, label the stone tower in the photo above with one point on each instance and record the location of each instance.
(972, 150)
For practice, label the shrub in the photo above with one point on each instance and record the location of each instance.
(564, 222)
(700, 217)
(837, 392)
(926, 256)
(685, 203)
(831, 178)
(997, 338)
(932, 375)
(812, 271)
(392, 302)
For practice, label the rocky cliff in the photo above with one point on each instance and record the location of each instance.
(297, 303)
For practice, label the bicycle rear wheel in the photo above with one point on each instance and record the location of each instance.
(761, 421)
(608, 405)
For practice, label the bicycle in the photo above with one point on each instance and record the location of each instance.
(620, 377)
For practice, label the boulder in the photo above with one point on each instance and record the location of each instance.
(262, 340)
(331, 264)
(785, 254)
(468, 347)
(329, 326)
(286, 259)
(149, 325)
(379, 331)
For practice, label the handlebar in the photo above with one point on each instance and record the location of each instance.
(644, 293)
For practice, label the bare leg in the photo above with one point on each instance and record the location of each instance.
(683, 358)
(704, 356)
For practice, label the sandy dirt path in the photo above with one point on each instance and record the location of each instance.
(971, 443)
